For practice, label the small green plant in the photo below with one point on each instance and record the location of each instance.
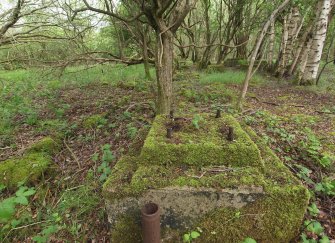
(314, 227)
(189, 237)
(313, 210)
(46, 233)
(107, 158)
(327, 186)
(304, 174)
(131, 131)
(249, 240)
(196, 120)
(8, 205)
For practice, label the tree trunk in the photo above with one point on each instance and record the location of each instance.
(258, 43)
(145, 56)
(271, 44)
(314, 56)
(282, 56)
(299, 52)
(164, 71)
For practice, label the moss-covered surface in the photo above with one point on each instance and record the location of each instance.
(26, 168)
(46, 145)
(204, 146)
(274, 218)
(31, 165)
(94, 121)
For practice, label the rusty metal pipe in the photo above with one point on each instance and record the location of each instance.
(230, 136)
(218, 113)
(169, 132)
(151, 223)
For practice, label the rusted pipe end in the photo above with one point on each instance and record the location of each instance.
(151, 223)
(218, 113)
(169, 132)
(230, 136)
(171, 114)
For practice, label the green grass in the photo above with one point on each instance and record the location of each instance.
(20, 88)
(228, 77)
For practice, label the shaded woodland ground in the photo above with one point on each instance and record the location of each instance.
(107, 110)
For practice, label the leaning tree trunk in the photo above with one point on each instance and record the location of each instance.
(272, 39)
(282, 55)
(258, 43)
(164, 71)
(314, 56)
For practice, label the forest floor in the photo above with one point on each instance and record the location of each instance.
(111, 108)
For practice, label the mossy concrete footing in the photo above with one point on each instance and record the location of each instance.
(229, 201)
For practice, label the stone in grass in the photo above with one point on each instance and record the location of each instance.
(46, 145)
(264, 203)
(207, 145)
(27, 168)
(31, 166)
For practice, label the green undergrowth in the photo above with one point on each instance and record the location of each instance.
(229, 76)
(21, 92)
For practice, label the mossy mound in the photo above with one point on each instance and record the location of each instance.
(202, 144)
(94, 121)
(46, 145)
(31, 166)
(27, 168)
(276, 216)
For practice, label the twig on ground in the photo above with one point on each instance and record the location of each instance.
(72, 153)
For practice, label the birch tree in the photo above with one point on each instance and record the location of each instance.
(315, 50)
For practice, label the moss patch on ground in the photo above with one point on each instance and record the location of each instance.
(27, 168)
(94, 121)
(202, 146)
(46, 145)
(31, 166)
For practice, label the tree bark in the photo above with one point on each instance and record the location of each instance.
(145, 55)
(164, 70)
(271, 44)
(314, 56)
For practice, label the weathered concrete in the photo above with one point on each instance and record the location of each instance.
(180, 206)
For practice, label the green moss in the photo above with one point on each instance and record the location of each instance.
(201, 147)
(277, 218)
(127, 230)
(25, 169)
(121, 176)
(94, 121)
(46, 145)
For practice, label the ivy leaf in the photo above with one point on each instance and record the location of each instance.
(40, 239)
(249, 240)
(7, 209)
(324, 239)
(21, 200)
(21, 191)
(186, 238)
(15, 222)
(29, 192)
(195, 234)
